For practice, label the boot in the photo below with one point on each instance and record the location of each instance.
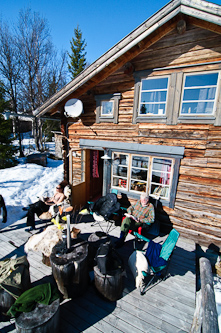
(120, 242)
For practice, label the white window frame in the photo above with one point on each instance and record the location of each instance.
(102, 107)
(153, 90)
(148, 182)
(199, 115)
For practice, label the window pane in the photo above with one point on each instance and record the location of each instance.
(153, 84)
(201, 80)
(197, 108)
(140, 161)
(161, 191)
(119, 182)
(163, 165)
(107, 108)
(153, 96)
(139, 174)
(120, 170)
(138, 186)
(199, 94)
(152, 108)
(161, 177)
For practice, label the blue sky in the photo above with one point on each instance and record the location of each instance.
(102, 22)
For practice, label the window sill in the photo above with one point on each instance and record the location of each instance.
(147, 119)
(197, 119)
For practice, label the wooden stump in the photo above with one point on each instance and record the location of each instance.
(95, 240)
(43, 319)
(109, 285)
(70, 267)
(6, 301)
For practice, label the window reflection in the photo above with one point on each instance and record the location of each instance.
(161, 177)
(120, 170)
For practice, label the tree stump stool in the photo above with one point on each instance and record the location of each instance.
(95, 240)
(70, 267)
(43, 319)
(110, 285)
(6, 301)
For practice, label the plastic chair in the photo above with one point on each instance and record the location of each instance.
(165, 251)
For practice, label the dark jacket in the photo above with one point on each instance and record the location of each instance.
(106, 205)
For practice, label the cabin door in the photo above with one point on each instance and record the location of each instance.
(96, 175)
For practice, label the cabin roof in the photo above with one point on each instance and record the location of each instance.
(130, 46)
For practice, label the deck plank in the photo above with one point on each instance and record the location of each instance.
(167, 307)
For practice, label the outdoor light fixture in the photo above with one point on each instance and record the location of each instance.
(106, 157)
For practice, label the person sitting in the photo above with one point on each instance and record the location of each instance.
(3, 208)
(140, 214)
(40, 206)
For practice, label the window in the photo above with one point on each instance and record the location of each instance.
(107, 108)
(177, 97)
(136, 167)
(161, 177)
(140, 173)
(153, 96)
(77, 166)
(199, 94)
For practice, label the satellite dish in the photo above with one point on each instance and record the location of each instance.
(73, 108)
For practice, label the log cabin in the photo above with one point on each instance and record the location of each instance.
(147, 117)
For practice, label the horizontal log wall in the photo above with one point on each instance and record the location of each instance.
(197, 211)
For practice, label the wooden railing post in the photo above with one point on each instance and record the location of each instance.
(210, 317)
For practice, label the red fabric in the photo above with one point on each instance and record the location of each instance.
(95, 164)
(130, 231)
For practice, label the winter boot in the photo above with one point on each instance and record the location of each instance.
(120, 242)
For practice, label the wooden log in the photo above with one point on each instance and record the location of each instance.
(109, 285)
(197, 236)
(201, 172)
(206, 229)
(44, 319)
(210, 317)
(194, 215)
(213, 153)
(196, 162)
(196, 144)
(183, 127)
(69, 267)
(177, 134)
(195, 153)
(206, 190)
(214, 144)
(195, 204)
(199, 180)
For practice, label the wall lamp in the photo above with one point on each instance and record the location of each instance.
(106, 157)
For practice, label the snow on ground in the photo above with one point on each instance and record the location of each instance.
(24, 183)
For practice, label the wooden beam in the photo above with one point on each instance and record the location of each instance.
(210, 317)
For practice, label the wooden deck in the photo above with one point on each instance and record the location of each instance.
(167, 307)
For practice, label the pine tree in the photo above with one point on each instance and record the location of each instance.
(7, 150)
(78, 55)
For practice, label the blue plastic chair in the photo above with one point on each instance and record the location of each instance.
(165, 253)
